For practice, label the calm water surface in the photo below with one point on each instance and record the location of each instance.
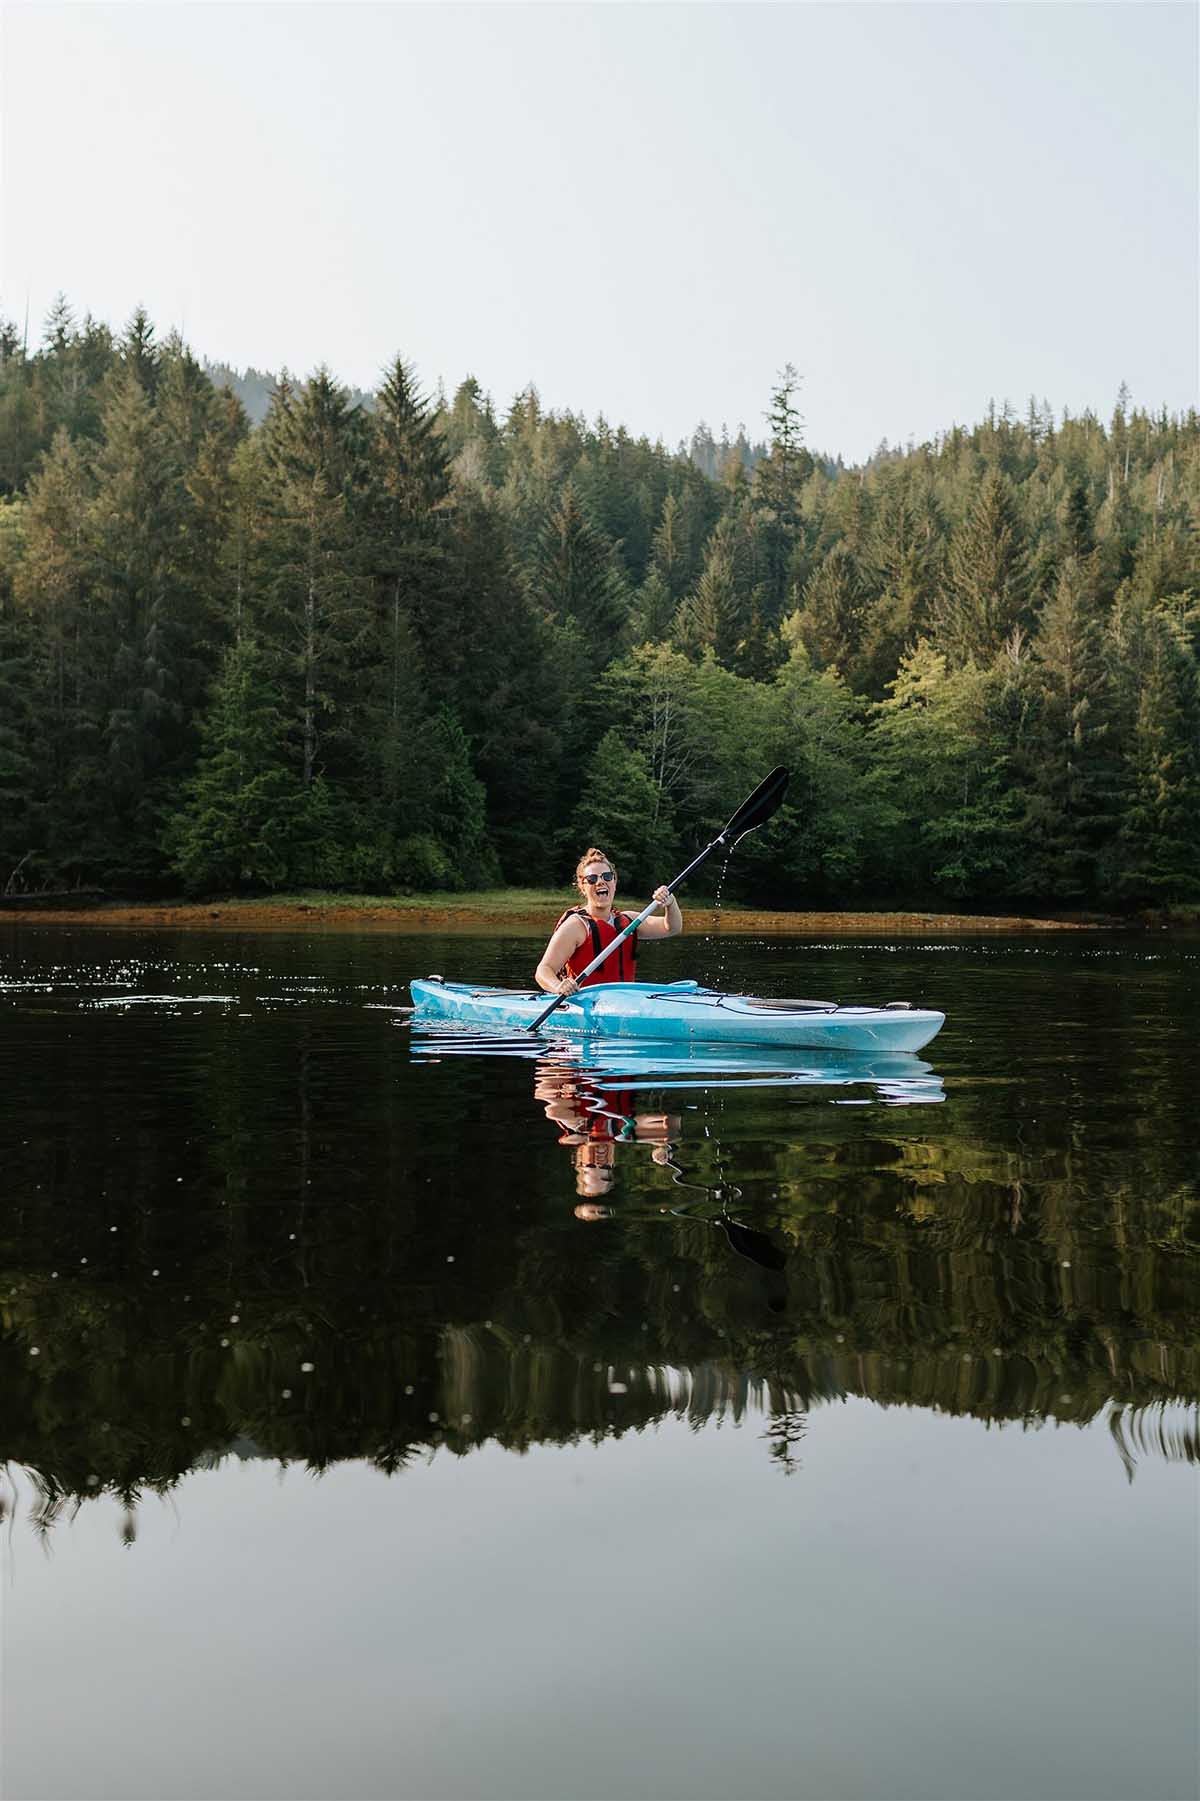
(390, 1417)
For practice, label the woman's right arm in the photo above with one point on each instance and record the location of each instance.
(564, 941)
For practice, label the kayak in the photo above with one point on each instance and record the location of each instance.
(682, 1012)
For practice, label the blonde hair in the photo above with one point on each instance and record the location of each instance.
(592, 855)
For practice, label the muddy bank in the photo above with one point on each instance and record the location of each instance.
(255, 916)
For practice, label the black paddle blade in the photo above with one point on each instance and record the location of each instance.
(758, 807)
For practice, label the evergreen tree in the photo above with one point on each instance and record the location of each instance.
(987, 586)
(412, 455)
(829, 621)
(242, 820)
(898, 575)
(709, 618)
(417, 608)
(140, 638)
(317, 614)
(513, 690)
(1069, 775)
(1156, 854)
(824, 834)
(778, 481)
(619, 808)
(670, 559)
(1077, 531)
(469, 429)
(576, 579)
(19, 827)
(945, 802)
(18, 414)
(52, 588)
(139, 352)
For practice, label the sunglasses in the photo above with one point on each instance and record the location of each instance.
(604, 875)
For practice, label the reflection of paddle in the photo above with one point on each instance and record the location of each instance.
(754, 811)
(754, 1245)
(745, 1240)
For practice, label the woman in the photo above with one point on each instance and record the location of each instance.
(583, 932)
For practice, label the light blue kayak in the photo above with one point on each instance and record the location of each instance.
(683, 1012)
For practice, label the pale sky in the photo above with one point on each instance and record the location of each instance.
(644, 209)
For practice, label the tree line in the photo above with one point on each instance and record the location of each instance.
(400, 643)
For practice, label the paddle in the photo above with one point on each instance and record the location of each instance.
(754, 811)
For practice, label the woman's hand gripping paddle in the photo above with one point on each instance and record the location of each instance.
(754, 811)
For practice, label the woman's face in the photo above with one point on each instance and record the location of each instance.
(598, 882)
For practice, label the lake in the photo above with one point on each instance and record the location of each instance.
(385, 1417)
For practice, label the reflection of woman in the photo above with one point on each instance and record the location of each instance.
(593, 1124)
(584, 931)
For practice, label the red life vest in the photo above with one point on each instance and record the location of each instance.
(620, 967)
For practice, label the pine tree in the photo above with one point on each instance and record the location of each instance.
(469, 429)
(412, 456)
(417, 638)
(511, 691)
(576, 579)
(242, 821)
(616, 808)
(900, 564)
(1069, 774)
(52, 585)
(19, 436)
(829, 620)
(669, 558)
(987, 584)
(824, 834)
(139, 351)
(20, 829)
(1078, 538)
(146, 664)
(944, 801)
(317, 615)
(710, 617)
(778, 480)
(1156, 855)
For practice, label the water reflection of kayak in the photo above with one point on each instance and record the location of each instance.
(685, 1013)
(633, 1065)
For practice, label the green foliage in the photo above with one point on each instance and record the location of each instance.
(1070, 777)
(946, 804)
(987, 587)
(824, 832)
(979, 655)
(616, 809)
(243, 815)
(577, 580)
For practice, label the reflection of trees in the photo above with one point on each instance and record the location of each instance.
(545, 1334)
(435, 1280)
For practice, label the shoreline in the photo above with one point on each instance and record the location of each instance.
(473, 915)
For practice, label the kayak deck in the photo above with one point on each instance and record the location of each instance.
(684, 1012)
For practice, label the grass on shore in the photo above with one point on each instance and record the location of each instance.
(534, 906)
(516, 901)
(486, 900)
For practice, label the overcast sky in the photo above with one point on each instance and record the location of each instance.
(643, 209)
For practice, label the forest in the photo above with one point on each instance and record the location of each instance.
(396, 643)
